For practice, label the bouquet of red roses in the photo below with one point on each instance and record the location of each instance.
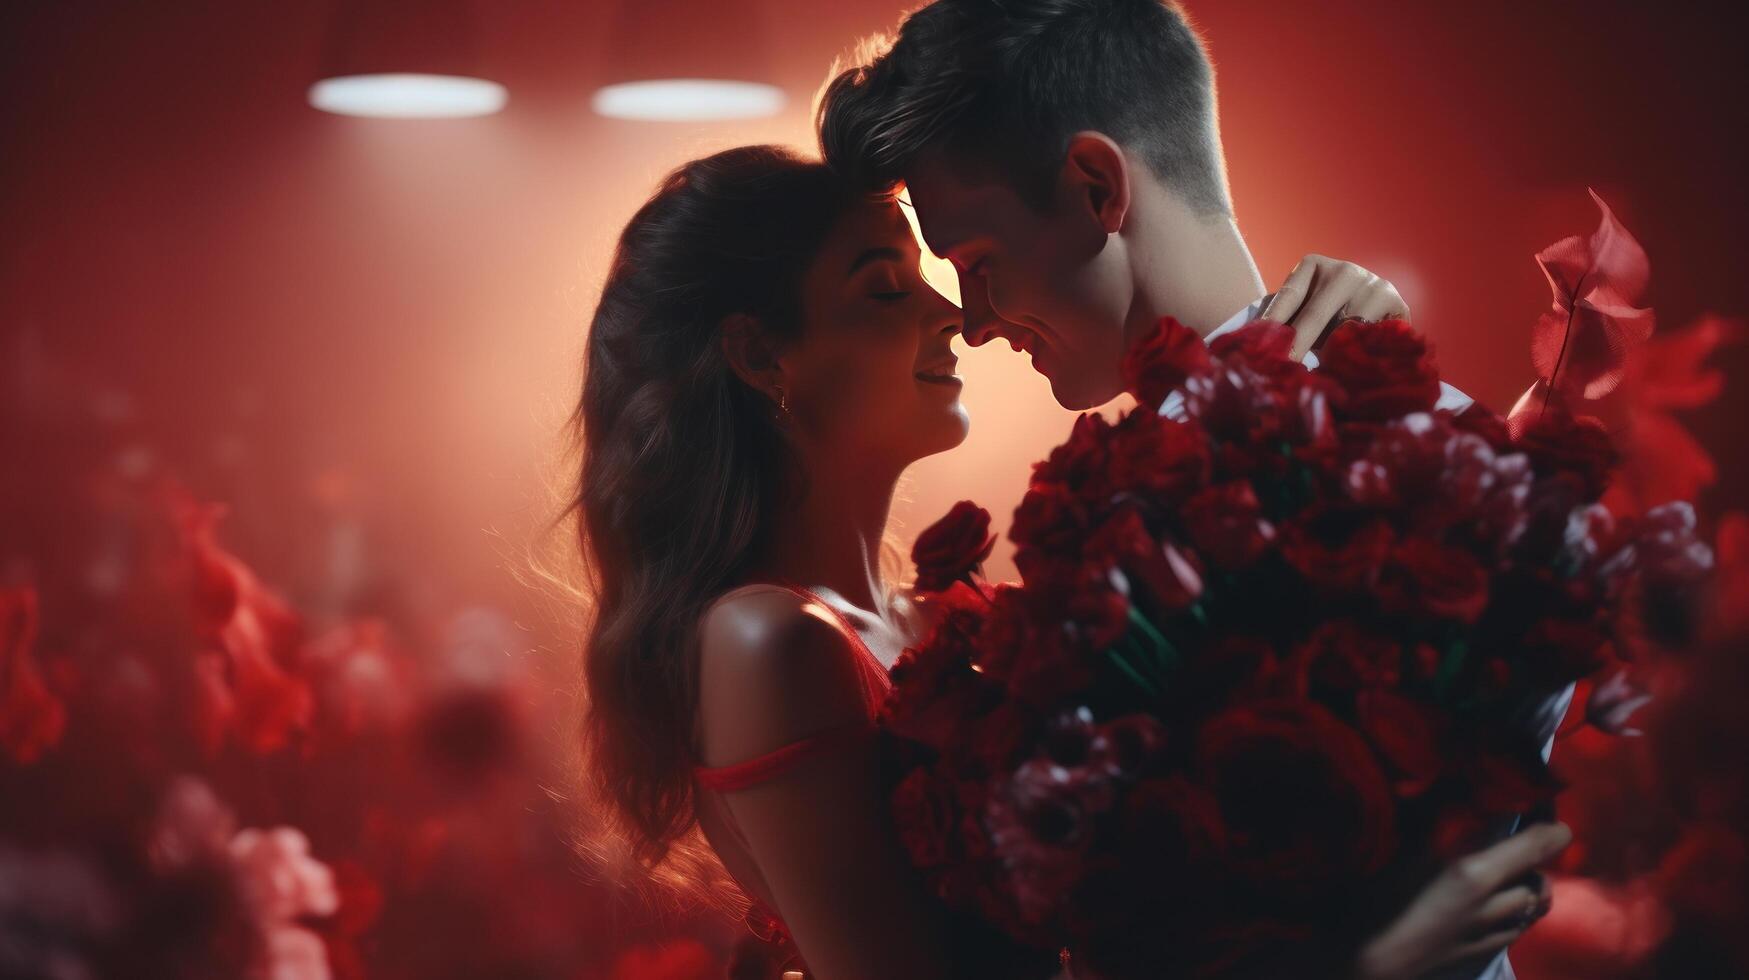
(1268, 664)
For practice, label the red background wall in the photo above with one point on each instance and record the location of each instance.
(309, 311)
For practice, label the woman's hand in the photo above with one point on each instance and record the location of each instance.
(1475, 908)
(1321, 290)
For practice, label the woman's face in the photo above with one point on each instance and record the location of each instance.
(874, 372)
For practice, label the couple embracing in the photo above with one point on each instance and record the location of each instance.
(765, 362)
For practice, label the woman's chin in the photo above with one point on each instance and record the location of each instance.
(951, 429)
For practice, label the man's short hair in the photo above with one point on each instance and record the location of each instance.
(1001, 86)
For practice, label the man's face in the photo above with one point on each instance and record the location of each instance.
(1045, 281)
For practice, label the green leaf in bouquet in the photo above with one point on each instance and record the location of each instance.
(1161, 650)
(1123, 664)
(1450, 664)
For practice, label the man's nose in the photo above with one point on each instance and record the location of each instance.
(981, 322)
(946, 318)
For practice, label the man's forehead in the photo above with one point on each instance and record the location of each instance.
(950, 208)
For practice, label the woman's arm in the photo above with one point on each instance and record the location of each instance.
(774, 671)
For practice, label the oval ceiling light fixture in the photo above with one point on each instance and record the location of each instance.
(688, 100)
(672, 61)
(408, 95)
(404, 59)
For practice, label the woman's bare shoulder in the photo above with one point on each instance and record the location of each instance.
(774, 667)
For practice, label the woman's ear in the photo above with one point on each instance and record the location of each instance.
(750, 354)
(1096, 177)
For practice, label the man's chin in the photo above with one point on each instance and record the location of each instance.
(1078, 394)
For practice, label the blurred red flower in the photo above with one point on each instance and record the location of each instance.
(32, 718)
(681, 959)
(246, 685)
(1303, 801)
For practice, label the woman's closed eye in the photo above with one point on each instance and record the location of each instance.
(890, 296)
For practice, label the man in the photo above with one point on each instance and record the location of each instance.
(1065, 156)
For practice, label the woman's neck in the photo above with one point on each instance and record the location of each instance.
(832, 537)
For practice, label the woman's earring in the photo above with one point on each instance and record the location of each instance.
(782, 400)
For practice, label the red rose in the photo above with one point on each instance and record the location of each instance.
(1401, 462)
(1243, 410)
(996, 737)
(1169, 578)
(1049, 519)
(1157, 456)
(1162, 360)
(1226, 524)
(1079, 464)
(953, 548)
(934, 685)
(1425, 578)
(1337, 569)
(1385, 367)
(1172, 824)
(1263, 345)
(1008, 627)
(1484, 422)
(923, 808)
(1407, 736)
(1053, 664)
(1559, 442)
(1341, 658)
(1301, 794)
(1310, 427)
(1079, 595)
(1232, 667)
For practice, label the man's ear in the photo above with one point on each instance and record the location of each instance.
(1096, 175)
(750, 353)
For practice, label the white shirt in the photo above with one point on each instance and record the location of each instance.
(1552, 711)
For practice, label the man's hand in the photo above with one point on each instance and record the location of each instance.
(1322, 292)
(1474, 909)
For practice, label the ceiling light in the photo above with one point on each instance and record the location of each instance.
(408, 95)
(688, 100)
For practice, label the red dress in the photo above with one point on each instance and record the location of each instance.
(714, 816)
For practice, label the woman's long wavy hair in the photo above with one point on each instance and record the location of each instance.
(682, 462)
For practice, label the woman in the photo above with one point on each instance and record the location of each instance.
(765, 362)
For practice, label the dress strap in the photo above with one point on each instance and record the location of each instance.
(741, 775)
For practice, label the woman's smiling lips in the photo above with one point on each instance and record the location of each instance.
(941, 372)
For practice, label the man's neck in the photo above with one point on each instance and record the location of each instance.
(1195, 269)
